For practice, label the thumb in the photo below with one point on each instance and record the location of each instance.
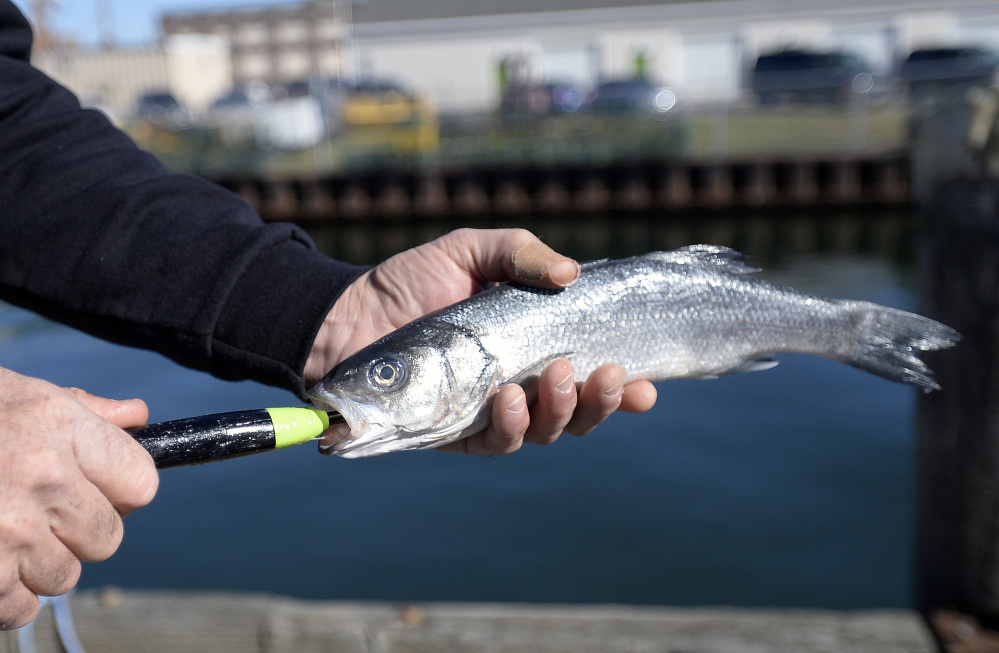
(124, 414)
(537, 264)
(502, 254)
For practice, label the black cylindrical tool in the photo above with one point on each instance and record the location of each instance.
(209, 438)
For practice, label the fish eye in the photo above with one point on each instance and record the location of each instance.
(387, 373)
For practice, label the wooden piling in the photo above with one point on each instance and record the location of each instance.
(957, 546)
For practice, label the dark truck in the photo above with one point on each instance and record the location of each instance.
(806, 76)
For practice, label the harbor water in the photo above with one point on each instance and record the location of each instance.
(790, 487)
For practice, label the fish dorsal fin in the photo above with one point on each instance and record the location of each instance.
(583, 267)
(725, 258)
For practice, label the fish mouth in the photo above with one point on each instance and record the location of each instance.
(368, 437)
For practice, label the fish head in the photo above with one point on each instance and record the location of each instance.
(417, 388)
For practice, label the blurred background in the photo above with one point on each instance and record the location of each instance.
(305, 90)
(792, 130)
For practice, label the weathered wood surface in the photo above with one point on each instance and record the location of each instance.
(156, 622)
(956, 165)
(958, 481)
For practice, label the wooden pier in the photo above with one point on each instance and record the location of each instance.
(113, 621)
(875, 180)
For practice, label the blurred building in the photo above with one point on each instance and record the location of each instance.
(461, 53)
(194, 68)
(282, 43)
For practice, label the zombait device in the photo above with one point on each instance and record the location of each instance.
(209, 438)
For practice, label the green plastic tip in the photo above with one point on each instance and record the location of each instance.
(297, 425)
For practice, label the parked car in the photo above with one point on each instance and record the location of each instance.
(806, 76)
(539, 99)
(631, 96)
(235, 116)
(163, 110)
(379, 102)
(935, 70)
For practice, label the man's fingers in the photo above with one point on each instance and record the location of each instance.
(71, 507)
(120, 468)
(599, 396)
(18, 604)
(115, 463)
(127, 413)
(88, 524)
(555, 405)
(639, 396)
(51, 570)
(506, 432)
(66, 473)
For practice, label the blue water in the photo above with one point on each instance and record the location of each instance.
(791, 487)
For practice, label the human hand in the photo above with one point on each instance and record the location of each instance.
(67, 476)
(452, 268)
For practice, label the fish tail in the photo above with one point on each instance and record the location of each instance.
(890, 341)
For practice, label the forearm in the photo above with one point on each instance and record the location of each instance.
(97, 234)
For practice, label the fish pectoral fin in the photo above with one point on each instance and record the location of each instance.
(751, 365)
(528, 377)
(755, 365)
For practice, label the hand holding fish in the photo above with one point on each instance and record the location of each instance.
(67, 474)
(451, 269)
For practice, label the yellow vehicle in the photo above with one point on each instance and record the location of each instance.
(377, 113)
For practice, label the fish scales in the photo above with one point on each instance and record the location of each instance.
(656, 321)
(691, 313)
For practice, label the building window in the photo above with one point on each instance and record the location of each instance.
(252, 34)
(292, 31)
(255, 66)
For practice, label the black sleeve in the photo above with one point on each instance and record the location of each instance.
(97, 234)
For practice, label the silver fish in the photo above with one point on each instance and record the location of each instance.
(689, 313)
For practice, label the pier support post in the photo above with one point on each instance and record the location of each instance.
(317, 201)
(393, 200)
(760, 188)
(355, 202)
(803, 187)
(470, 197)
(845, 184)
(279, 201)
(431, 195)
(957, 546)
(718, 189)
(511, 197)
(592, 195)
(676, 187)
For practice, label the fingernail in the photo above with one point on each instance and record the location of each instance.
(563, 273)
(566, 385)
(518, 406)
